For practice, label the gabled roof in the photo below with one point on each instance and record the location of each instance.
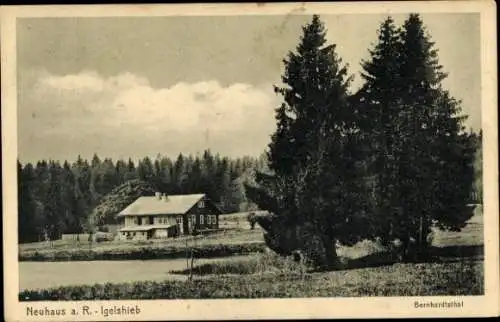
(174, 205)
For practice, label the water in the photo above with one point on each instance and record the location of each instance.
(42, 275)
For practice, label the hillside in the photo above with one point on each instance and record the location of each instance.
(117, 200)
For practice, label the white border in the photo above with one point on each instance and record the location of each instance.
(486, 305)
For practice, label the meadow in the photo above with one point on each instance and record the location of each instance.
(396, 280)
(235, 238)
(455, 268)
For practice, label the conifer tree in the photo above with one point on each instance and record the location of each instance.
(52, 209)
(131, 171)
(379, 104)
(438, 172)
(423, 158)
(314, 158)
(27, 223)
(68, 203)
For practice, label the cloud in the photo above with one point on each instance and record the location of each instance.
(186, 117)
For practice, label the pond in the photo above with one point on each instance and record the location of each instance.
(42, 275)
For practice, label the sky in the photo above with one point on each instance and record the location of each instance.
(140, 86)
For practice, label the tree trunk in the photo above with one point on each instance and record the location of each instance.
(423, 245)
(331, 260)
(404, 250)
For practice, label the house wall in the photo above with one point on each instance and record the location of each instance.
(130, 221)
(197, 217)
(160, 233)
(141, 235)
(165, 220)
(167, 232)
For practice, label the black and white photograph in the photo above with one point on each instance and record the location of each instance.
(293, 153)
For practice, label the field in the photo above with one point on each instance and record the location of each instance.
(426, 279)
(456, 269)
(235, 238)
(235, 232)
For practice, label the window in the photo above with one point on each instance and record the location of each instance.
(214, 219)
(201, 219)
(201, 204)
(209, 220)
(193, 219)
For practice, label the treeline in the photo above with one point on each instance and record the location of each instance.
(386, 163)
(56, 198)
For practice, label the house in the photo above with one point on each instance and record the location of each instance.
(162, 216)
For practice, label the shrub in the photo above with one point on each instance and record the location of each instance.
(258, 263)
(252, 219)
(104, 229)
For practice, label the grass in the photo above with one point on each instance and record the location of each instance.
(254, 264)
(224, 243)
(456, 268)
(235, 238)
(426, 279)
(144, 253)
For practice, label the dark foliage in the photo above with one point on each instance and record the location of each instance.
(421, 159)
(388, 162)
(315, 186)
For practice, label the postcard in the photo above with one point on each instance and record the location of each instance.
(250, 161)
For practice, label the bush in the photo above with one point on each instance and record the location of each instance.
(252, 219)
(104, 229)
(259, 263)
(102, 237)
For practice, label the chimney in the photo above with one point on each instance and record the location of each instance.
(158, 195)
(164, 197)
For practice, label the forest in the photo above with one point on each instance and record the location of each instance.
(57, 198)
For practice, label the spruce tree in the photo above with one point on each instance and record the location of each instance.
(121, 170)
(379, 104)
(27, 223)
(53, 205)
(68, 203)
(131, 172)
(423, 158)
(314, 158)
(145, 170)
(440, 150)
